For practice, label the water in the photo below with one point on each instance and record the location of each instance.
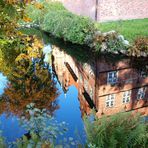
(11, 128)
(65, 107)
(3, 83)
(69, 112)
(68, 84)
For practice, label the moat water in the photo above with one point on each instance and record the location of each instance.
(68, 111)
(64, 106)
(54, 82)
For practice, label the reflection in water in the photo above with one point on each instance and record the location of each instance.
(7, 60)
(70, 113)
(47, 54)
(110, 83)
(3, 82)
(29, 83)
(10, 127)
(8, 124)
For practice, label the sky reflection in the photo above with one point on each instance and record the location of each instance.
(3, 83)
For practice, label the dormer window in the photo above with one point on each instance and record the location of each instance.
(141, 93)
(126, 96)
(112, 77)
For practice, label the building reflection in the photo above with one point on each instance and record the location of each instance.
(109, 84)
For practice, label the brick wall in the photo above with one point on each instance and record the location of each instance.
(81, 7)
(92, 79)
(122, 9)
(128, 79)
(134, 104)
(109, 9)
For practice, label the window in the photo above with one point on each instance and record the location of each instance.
(126, 96)
(112, 77)
(141, 93)
(110, 100)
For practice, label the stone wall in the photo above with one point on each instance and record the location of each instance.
(109, 9)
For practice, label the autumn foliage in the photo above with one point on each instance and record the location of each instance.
(140, 47)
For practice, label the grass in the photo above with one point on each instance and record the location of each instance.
(130, 29)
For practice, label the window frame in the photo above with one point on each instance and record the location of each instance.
(111, 80)
(126, 95)
(110, 100)
(141, 93)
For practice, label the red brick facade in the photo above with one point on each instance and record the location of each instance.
(129, 79)
(108, 10)
(94, 87)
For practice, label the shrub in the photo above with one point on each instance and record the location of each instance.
(34, 13)
(54, 24)
(140, 47)
(78, 29)
(68, 26)
(52, 6)
(114, 43)
(37, 10)
(122, 130)
(56, 20)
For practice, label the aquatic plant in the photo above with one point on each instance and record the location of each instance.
(43, 130)
(42, 124)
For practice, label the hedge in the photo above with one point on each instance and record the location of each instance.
(55, 19)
